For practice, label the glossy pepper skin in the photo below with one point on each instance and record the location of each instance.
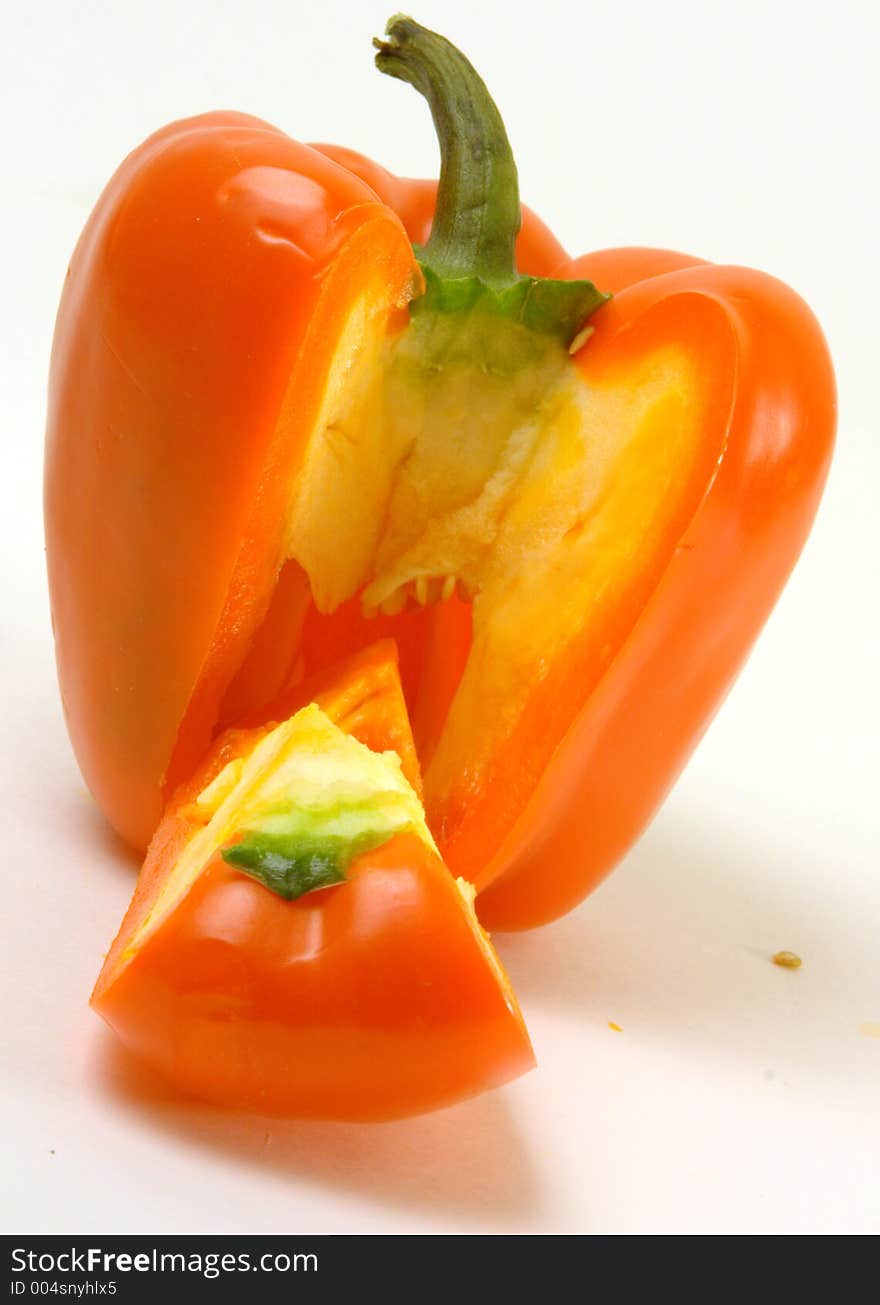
(371, 1000)
(202, 305)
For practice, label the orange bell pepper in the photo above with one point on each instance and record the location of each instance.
(278, 432)
(374, 998)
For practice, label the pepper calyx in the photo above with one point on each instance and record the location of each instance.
(547, 307)
(286, 865)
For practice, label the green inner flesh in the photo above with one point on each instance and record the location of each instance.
(294, 849)
(296, 811)
(308, 801)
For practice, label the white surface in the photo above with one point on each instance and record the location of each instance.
(739, 1097)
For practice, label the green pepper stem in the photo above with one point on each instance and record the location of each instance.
(477, 216)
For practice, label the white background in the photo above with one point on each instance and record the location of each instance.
(739, 1097)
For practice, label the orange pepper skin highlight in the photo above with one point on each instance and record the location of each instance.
(368, 1001)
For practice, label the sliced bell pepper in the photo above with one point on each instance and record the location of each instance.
(295, 946)
(279, 431)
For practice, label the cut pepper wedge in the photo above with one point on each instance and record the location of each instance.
(279, 432)
(373, 998)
